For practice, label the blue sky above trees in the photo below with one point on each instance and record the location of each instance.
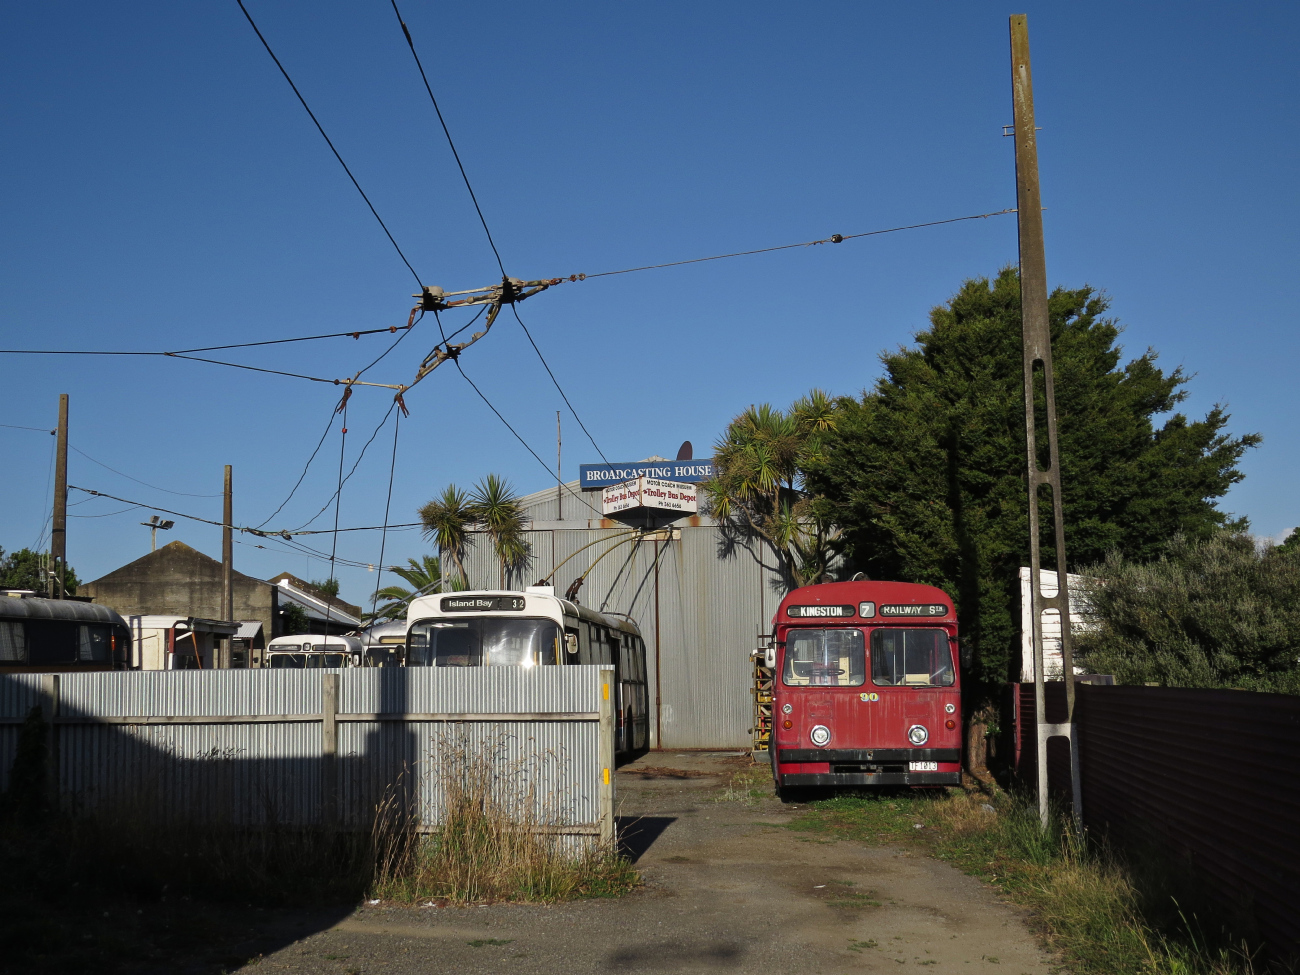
(163, 189)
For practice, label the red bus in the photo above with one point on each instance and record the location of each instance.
(865, 687)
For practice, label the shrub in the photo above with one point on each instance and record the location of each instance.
(1221, 612)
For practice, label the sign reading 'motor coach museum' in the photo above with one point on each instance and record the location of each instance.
(594, 476)
(647, 492)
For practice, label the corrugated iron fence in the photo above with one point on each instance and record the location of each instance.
(1207, 776)
(323, 747)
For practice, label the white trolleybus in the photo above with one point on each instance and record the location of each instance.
(534, 628)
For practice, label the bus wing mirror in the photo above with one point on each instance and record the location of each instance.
(966, 654)
(769, 657)
(571, 642)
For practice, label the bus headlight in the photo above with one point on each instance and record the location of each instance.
(820, 735)
(917, 734)
(950, 708)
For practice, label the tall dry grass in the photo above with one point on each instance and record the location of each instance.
(493, 841)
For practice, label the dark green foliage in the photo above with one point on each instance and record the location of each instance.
(1214, 613)
(926, 473)
(293, 620)
(1291, 543)
(26, 569)
(330, 587)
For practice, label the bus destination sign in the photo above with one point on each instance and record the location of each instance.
(915, 609)
(819, 611)
(482, 604)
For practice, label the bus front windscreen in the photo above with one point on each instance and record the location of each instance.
(483, 641)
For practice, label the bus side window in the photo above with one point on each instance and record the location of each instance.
(13, 642)
(584, 643)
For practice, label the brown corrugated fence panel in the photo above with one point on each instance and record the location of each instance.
(1209, 776)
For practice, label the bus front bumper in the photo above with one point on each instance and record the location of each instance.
(870, 778)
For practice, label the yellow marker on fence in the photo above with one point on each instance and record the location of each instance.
(606, 689)
(607, 776)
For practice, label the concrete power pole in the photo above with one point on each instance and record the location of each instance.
(559, 480)
(59, 524)
(227, 565)
(1037, 344)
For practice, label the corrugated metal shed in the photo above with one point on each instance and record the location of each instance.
(699, 596)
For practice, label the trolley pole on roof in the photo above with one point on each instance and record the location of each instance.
(59, 523)
(1037, 354)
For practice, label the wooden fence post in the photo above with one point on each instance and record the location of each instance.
(605, 753)
(329, 743)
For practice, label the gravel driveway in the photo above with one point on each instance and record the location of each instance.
(727, 889)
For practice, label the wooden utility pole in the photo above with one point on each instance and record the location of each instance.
(1037, 345)
(227, 565)
(59, 523)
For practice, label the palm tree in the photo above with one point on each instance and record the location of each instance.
(447, 520)
(494, 506)
(424, 576)
(758, 487)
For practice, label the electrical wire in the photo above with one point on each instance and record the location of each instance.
(338, 501)
(184, 494)
(10, 426)
(208, 348)
(559, 388)
(355, 465)
(539, 460)
(445, 131)
(306, 467)
(242, 528)
(833, 239)
(383, 539)
(321, 130)
(334, 412)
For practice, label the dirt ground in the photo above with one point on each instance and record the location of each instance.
(727, 889)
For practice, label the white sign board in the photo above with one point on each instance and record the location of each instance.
(649, 492)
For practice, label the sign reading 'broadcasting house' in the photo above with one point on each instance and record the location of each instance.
(594, 476)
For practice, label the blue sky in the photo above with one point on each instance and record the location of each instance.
(163, 189)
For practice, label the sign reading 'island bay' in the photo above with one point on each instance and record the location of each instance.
(593, 476)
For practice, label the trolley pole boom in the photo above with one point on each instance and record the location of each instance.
(1037, 355)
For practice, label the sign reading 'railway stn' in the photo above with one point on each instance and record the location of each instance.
(593, 476)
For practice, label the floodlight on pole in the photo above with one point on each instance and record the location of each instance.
(153, 524)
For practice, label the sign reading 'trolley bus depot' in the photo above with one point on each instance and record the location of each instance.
(649, 492)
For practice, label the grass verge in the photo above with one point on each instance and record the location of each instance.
(1103, 915)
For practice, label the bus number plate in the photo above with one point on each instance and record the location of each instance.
(923, 766)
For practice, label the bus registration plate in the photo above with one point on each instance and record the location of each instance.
(923, 766)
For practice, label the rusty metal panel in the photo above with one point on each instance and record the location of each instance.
(1208, 776)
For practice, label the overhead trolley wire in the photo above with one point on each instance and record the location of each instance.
(321, 130)
(447, 132)
(832, 239)
(388, 503)
(483, 220)
(547, 367)
(545, 466)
